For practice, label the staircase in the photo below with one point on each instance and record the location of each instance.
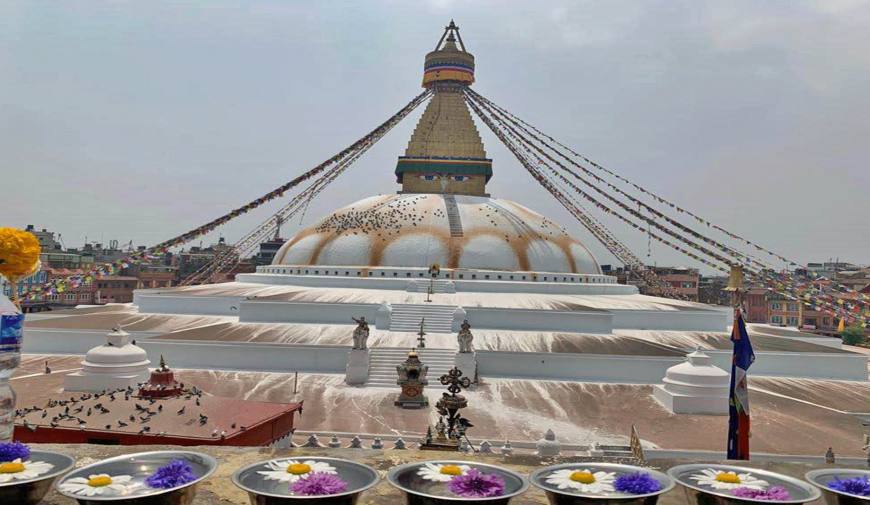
(384, 360)
(438, 286)
(453, 216)
(407, 317)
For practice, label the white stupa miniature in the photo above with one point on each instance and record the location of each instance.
(116, 364)
(694, 387)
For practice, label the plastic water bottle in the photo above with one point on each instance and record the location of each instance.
(11, 333)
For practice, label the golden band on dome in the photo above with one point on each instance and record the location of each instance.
(435, 75)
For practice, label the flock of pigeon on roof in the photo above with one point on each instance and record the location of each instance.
(86, 410)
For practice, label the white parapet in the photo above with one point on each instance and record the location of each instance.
(694, 387)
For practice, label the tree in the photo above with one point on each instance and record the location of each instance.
(853, 335)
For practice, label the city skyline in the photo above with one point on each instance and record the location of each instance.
(752, 117)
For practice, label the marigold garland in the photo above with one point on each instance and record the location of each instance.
(19, 253)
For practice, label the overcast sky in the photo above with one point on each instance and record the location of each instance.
(140, 120)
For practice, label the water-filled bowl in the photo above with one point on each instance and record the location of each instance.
(31, 491)
(268, 482)
(704, 494)
(420, 491)
(822, 478)
(572, 496)
(138, 467)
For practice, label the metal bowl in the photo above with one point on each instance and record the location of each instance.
(406, 479)
(139, 466)
(822, 477)
(566, 497)
(31, 491)
(800, 491)
(260, 491)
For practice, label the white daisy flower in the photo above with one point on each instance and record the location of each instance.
(100, 484)
(582, 480)
(441, 473)
(719, 479)
(22, 470)
(291, 470)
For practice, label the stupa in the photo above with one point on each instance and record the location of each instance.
(442, 215)
(116, 364)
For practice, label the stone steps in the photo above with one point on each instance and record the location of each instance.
(438, 286)
(453, 217)
(436, 318)
(383, 363)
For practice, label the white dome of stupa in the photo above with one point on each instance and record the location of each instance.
(118, 363)
(695, 386)
(453, 231)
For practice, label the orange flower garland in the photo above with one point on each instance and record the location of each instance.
(19, 254)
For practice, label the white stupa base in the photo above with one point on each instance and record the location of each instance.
(467, 363)
(691, 404)
(93, 382)
(357, 371)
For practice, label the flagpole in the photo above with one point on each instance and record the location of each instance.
(742, 358)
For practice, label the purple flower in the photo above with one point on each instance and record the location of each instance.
(773, 493)
(10, 451)
(637, 483)
(319, 483)
(856, 485)
(176, 473)
(476, 485)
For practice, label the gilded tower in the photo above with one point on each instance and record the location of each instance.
(445, 153)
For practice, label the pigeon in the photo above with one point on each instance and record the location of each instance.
(122, 423)
(44, 413)
(180, 411)
(160, 408)
(233, 426)
(89, 411)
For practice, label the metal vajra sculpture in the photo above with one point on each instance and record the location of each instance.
(450, 404)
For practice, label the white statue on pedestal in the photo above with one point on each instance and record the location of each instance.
(465, 337)
(361, 333)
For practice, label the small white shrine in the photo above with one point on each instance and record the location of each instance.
(694, 387)
(116, 364)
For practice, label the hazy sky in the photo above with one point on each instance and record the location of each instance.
(140, 120)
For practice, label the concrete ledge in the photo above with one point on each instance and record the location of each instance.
(711, 319)
(540, 320)
(262, 311)
(187, 304)
(248, 356)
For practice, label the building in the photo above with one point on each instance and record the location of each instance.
(683, 280)
(114, 289)
(857, 279)
(757, 306)
(268, 250)
(156, 276)
(46, 239)
(828, 269)
(782, 311)
(712, 290)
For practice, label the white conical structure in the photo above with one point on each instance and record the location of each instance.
(116, 364)
(694, 387)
